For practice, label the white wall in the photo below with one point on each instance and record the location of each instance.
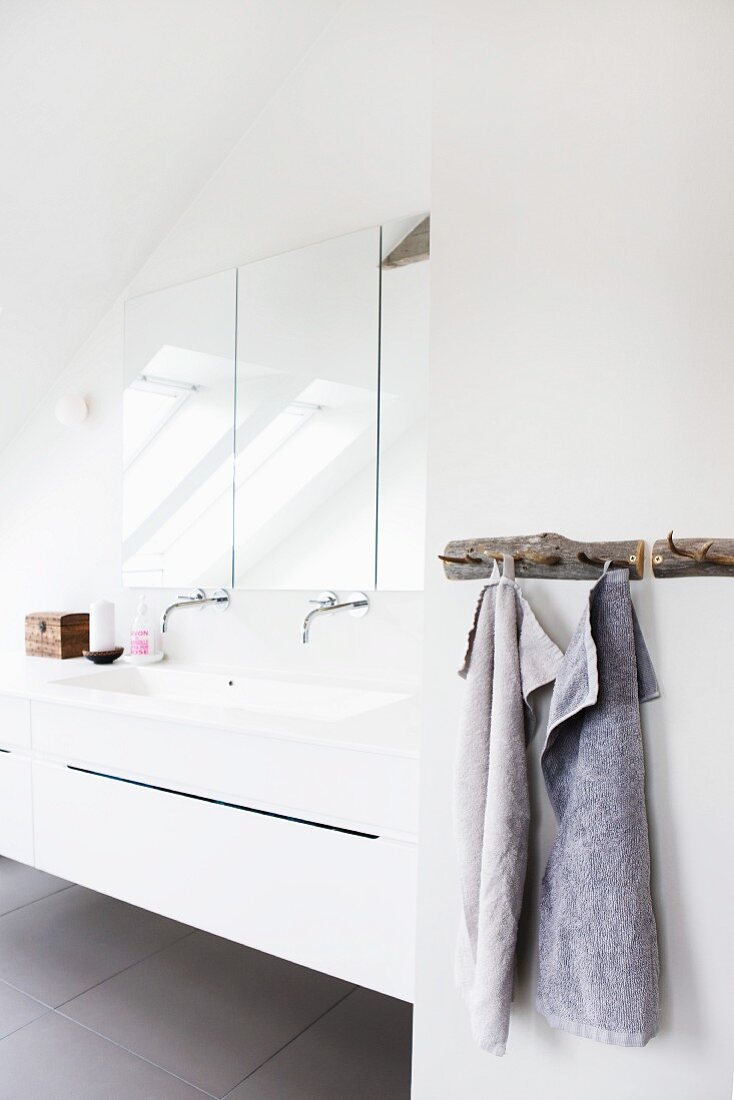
(582, 321)
(344, 144)
(114, 116)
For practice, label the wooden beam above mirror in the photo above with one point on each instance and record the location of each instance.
(412, 249)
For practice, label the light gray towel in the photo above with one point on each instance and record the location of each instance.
(508, 657)
(598, 941)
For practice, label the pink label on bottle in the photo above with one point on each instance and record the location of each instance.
(139, 643)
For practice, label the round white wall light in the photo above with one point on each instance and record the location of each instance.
(71, 410)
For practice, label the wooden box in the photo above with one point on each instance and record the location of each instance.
(56, 634)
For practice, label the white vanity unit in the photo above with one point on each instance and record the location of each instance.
(279, 812)
(273, 439)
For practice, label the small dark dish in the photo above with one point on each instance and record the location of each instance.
(103, 656)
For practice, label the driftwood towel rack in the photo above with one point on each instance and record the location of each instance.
(546, 555)
(693, 557)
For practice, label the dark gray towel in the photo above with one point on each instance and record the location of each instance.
(598, 941)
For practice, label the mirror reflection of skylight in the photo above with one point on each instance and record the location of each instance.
(272, 437)
(289, 345)
(148, 404)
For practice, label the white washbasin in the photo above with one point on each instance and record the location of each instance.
(321, 701)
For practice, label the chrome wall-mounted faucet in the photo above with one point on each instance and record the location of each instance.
(357, 604)
(196, 599)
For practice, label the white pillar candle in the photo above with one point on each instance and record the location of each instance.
(101, 626)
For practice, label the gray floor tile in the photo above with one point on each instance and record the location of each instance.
(16, 1009)
(20, 885)
(69, 941)
(209, 1010)
(54, 1059)
(360, 1050)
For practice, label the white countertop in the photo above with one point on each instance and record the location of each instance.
(392, 728)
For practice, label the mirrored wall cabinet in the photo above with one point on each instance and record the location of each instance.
(274, 421)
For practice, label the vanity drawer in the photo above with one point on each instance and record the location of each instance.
(369, 791)
(15, 722)
(338, 903)
(16, 807)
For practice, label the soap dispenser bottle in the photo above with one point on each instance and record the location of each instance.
(140, 632)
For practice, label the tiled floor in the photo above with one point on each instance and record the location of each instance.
(102, 1001)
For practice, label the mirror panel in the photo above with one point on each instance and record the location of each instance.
(307, 417)
(255, 403)
(178, 435)
(403, 394)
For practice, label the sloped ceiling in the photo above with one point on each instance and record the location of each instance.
(113, 115)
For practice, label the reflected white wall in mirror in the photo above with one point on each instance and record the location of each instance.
(178, 435)
(403, 392)
(306, 421)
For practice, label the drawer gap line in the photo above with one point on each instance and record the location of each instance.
(219, 802)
